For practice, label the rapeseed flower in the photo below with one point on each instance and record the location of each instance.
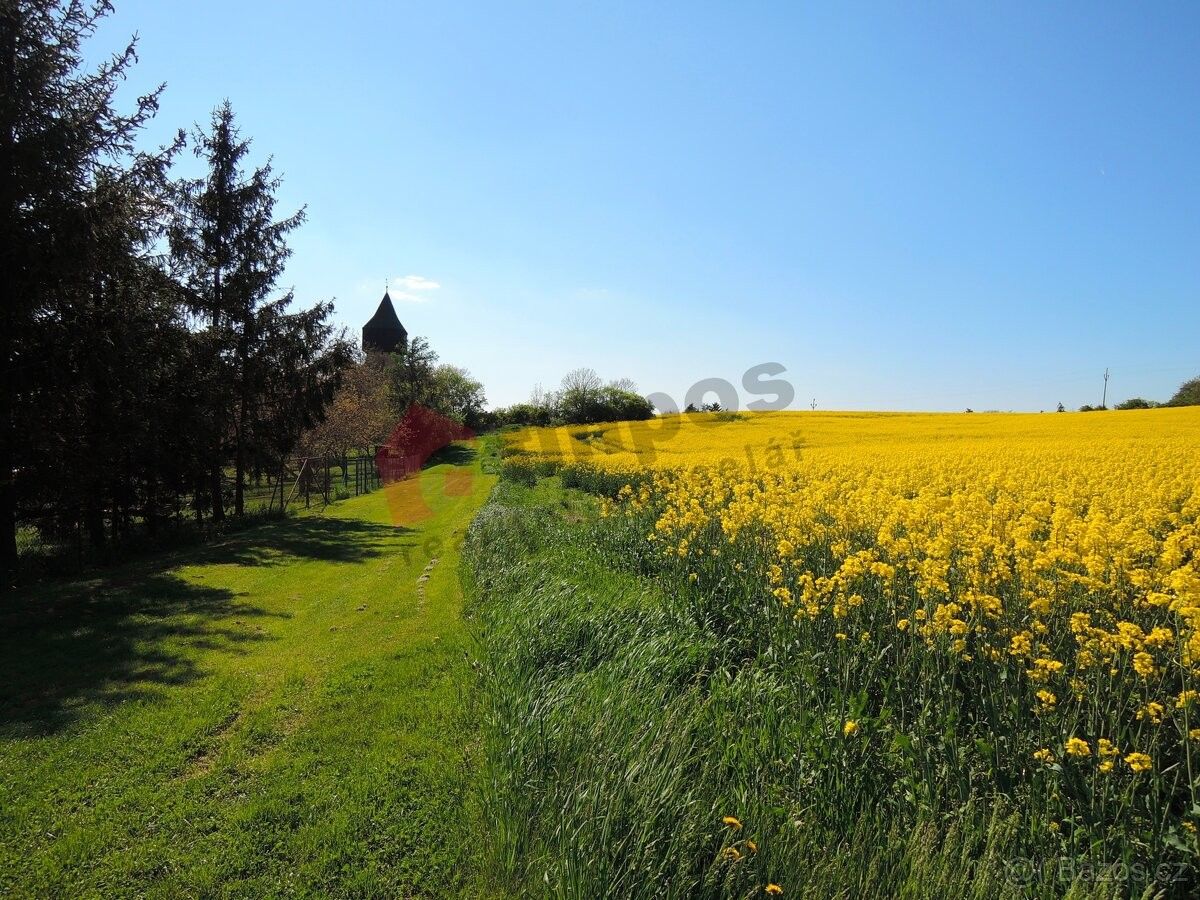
(1077, 747)
(1139, 762)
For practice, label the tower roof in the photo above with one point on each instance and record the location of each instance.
(384, 331)
(385, 316)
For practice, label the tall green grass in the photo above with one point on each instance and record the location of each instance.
(626, 716)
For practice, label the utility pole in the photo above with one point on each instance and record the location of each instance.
(1104, 397)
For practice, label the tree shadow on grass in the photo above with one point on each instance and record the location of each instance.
(451, 454)
(131, 632)
(329, 539)
(68, 646)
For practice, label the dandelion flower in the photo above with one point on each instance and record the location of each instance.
(850, 728)
(732, 822)
(773, 890)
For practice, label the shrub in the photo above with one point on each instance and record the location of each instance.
(1137, 403)
(1187, 395)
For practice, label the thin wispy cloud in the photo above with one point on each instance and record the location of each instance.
(416, 283)
(405, 288)
(412, 288)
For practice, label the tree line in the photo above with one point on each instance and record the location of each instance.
(582, 398)
(150, 364)
(1188, 394)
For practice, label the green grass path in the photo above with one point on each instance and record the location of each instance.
(283, 713)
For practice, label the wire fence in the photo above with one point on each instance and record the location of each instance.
(50, 538)
(311, 479)
(46, 539)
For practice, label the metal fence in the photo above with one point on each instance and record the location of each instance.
(300, 481)
(312, 479)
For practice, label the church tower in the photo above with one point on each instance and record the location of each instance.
(384, 333)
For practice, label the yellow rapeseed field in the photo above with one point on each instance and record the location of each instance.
(1035, 576)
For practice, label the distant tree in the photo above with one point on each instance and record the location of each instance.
(359, 417)
(454, 393)
(1136, 403)
(525, 414)
(1187, 395)
(1061, 408)
(583, 399)
(621, 405)
(410, 375)
(1088, 408)
(582, 380)
(300, 365)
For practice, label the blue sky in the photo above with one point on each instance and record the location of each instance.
(955, 205)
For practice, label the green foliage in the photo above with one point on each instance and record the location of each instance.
(582, 400)
(410, 373)
(605, 404)
(77, 207)
(269, 371)
(128, 386)
(521, 414)
(1187, 395)
(455, 394)
(1137, 403)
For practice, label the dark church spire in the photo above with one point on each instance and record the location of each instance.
(384, 333)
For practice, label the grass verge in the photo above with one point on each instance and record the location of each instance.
(638, 745)
(284, 712)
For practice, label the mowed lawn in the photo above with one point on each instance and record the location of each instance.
(285, 712)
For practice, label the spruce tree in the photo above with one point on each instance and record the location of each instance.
(60, 136)
(230, 251)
